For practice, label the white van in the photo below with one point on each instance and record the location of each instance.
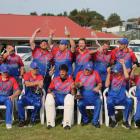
(23, 50)
(135, 46)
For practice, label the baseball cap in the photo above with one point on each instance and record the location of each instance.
(34, 65)
(123, 41)
(64, 42)
(88, 66)
(117, 68)
(4, 68)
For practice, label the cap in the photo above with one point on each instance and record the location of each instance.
(4, 68)
(88, 66)
(123, 41)
(34, 65)
(64, 42)
(117, 68)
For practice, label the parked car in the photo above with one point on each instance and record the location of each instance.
(27, 59)
(136, 50)
(134, 42)
(22, 50)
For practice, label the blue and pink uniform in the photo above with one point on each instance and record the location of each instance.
(126, 54)
(90, 97)
(81, 59)
(137, 114)
(7, 88)
(44, 59)
(30, 98)
(62, 57)
(15, 63)
(61, 88)
(101, 62)
(117, 95)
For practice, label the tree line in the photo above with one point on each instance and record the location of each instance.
(89, 18)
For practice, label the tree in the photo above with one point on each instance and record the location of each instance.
(114, 20)
(34, 13)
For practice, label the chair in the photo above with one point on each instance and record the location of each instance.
(79, 116)
(118, 107)
(42, 110)
(3, 107)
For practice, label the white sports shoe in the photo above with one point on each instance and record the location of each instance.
(8, 126)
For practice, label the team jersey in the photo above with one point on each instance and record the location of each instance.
(60, 58)
(81, 60)
(101, 61)
(28, 77)
(61, 87)
(117, 86)
(89, 82)
(43, 59)
(127, 54)
(8, 87)
(15, 63)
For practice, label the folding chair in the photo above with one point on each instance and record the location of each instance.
(79, 116)
(118, 107)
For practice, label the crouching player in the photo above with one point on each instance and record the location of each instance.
(135, 75)
(116, 81)
(89, 83)
(60, 92)
(9, 89)
(33, 81)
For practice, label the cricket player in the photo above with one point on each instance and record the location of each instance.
(123, 52)
(33, 81)
(62, 55)
(102, 59)
(82, 56)
(116, 82)
(89, 83)
(16, 66)
(60, 93)
(43, 57)
(135, 76)
(9, 90)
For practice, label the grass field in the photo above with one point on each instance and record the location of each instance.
(77, 132)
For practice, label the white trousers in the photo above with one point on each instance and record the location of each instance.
(51, 110)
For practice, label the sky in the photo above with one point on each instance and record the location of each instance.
(124, 8)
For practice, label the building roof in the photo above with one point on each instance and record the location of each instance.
(21, 27)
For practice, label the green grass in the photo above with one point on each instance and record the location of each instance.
(77, 132)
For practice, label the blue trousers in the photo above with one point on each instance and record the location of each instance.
(96, 102)
(112, 102)
(29, 100)
(4, 100)
(59, 99)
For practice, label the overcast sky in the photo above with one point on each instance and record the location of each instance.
(125, 8)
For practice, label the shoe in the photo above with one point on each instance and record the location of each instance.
(8, 126)
(49, 127)
(67, 127)
(21, 124)
(126, 125)
(97, 125)
(138, 123)
(113, 124)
